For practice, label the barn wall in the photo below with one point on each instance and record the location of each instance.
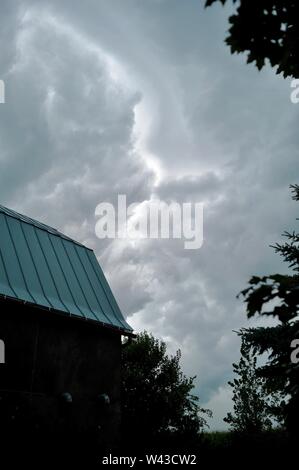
(47, 355)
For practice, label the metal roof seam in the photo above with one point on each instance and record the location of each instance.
(18, 259)
(95, 293)
(35, 268)
(107, 289)
(105, 293)
(50, 272)
(100, 281)
(65, 277)
(74, 271)
(6, 274)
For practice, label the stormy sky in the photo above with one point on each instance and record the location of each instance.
(142, 97)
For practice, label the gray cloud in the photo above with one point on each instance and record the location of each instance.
(144, 99)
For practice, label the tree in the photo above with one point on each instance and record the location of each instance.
(266, 29)
(253, 406)
(278, 296)
(158, 406)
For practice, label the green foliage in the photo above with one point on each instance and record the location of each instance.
(253, 405)
(157, 397)
(215, 443)
(269, 449)
(266, 29)
(278, 296)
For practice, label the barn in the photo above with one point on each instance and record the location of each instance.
(60, 331)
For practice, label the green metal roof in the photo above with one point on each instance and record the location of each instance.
(41, 266)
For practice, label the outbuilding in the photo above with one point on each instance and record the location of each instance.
(60, 331)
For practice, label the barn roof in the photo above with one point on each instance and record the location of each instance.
(43, 267)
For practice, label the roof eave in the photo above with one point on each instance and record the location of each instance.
(116, 329)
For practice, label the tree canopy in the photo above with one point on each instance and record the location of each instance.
(266, 30)
(254, 408)
(158, 403)
(278, 296)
